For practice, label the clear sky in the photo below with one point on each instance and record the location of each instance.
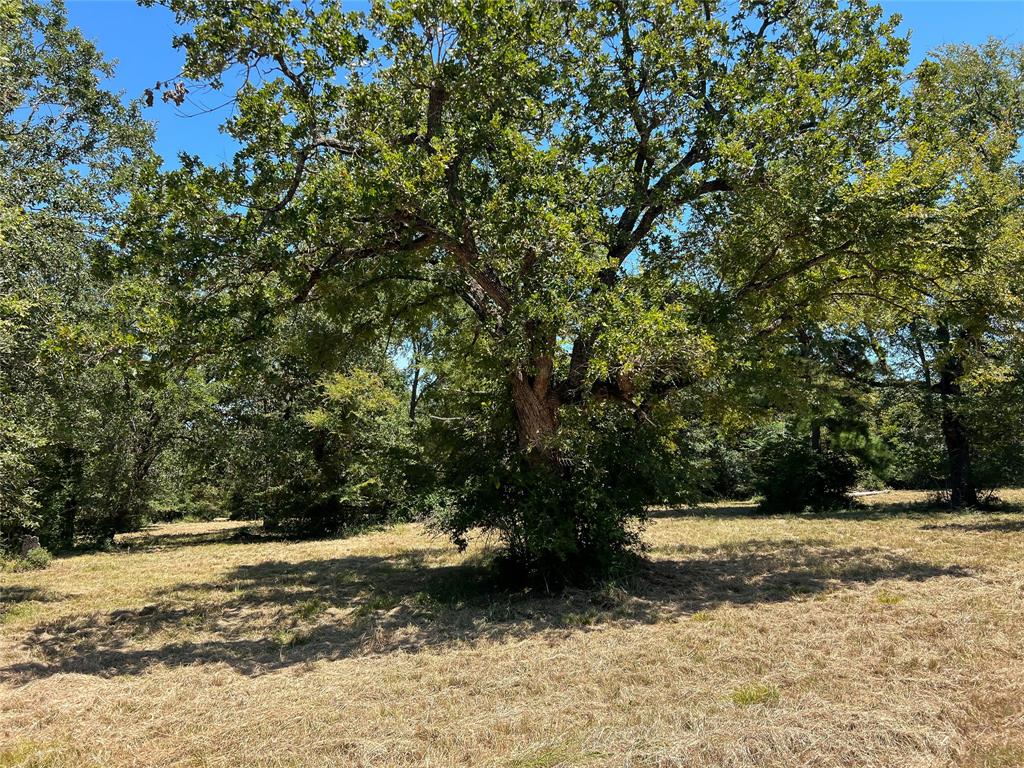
(140, 40)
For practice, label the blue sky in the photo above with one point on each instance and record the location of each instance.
(140, 39)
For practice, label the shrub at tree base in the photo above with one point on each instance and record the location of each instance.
(556, 525)
(793, 477)
(570, 520)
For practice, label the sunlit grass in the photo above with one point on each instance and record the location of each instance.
(878, 638)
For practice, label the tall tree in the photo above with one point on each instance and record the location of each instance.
(69, 337)
(561, 172)
(968, 107)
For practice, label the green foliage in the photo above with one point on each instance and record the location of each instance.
(908, 425)
(521, 267)
(313, 453)
(35, 559)
(569, 520)
(355, 471)
(994, 411)
(86, 405)
(967, 314)
(794, 477)
(557, 523)
(38, 558)
(571, 182)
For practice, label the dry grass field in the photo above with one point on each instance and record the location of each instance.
(887, 636)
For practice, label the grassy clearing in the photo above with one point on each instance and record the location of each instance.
(875, 637)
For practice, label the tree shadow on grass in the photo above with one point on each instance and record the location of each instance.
(162, 537)
(988, 526)
(274, 614)
(17, 593)
(856, 512)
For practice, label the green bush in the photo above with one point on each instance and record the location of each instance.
(38, 558)
(907, 424)
(556, 524)
(312, 508)
(793, 477)
(34, 560)
(571, 516)
(342, 459)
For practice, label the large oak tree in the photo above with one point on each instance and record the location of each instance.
(616, 192)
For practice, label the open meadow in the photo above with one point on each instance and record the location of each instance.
(413, 315)
(890, 635)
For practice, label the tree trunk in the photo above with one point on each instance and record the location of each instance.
(414, 395)
(69, 513)
(962, 492)
(67, 522)
(536, 415)
(816, 436)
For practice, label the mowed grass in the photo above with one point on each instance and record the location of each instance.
(890, 635)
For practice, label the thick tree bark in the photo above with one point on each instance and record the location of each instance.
(962, 492)
(536, 409)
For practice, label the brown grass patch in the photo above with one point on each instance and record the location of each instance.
(869, 637)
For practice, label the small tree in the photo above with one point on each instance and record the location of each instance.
(793, 476)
